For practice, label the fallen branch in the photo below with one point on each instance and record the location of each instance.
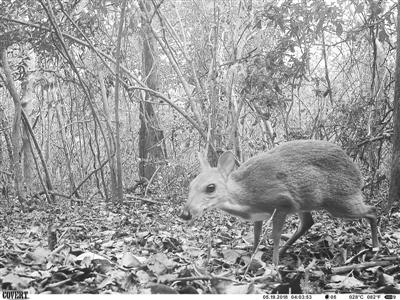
(55, 193)
(207, 278)
(366, 265)
(142, 199)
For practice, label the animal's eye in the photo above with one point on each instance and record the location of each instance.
(210, 188)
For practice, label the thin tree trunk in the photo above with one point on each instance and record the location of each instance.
(26, 100)
(6, 134)
(39, 151)
(46, 191)
(110, 144)
(116, 106)
(328, 81)
(16, 132)
(151, 150)
(66, 150)
(394, 189)
(213, 87)
(98, 157)
(48, 129)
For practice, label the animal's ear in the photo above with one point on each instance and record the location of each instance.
(226, 163)
(204, 164)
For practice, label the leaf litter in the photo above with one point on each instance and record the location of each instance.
(131, 248)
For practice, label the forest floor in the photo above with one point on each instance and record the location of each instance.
(141, 247)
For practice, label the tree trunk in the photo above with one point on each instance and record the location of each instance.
(110, 144)
(119, 188)
(214, 138)
(16, 131)
(4, 125)
(27, 158)
(65, 147)
(39, 151)
(151, 146)
(394, 189)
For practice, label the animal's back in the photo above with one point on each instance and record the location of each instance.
(300, 175)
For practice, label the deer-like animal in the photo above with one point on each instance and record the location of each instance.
(294, 177)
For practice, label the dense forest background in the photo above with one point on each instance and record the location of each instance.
(109, 101)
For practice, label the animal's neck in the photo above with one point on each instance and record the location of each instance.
(237, 203)
(232, 201)
(234, 190)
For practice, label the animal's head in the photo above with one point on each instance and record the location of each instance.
(209, 189)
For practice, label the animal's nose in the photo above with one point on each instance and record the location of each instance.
(185, 215)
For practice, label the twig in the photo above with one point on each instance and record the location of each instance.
(59, 283)
(150, 181)
(201, 278)
(142, 199)
(362, 266)
(355, 256)
(191, 278)
(55, 193)
(384, 135)
(87, 177)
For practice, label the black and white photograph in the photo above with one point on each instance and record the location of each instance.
(200, 147)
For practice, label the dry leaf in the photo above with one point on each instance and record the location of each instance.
(162, 289)
(231, 256)
(39, 256)
(16, 282)
(143, 277)
(128, 260)
(345, 282)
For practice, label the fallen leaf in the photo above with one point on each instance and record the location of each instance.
(15, 282)
(227, 287)
(160, 263)
(167, 277)
(384, 279)
(3, 272)
(103, 266)
(109, 244)
(107, 281)
(39, 256)
(129, 239)
(142, 234)
(231, 256)
(346, 282)
(89, 255)
(396, 235)
(162, 289)
(193, 251)
(130, 261)
(87, 258)
(142, 276)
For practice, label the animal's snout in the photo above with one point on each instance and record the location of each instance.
(186, 215)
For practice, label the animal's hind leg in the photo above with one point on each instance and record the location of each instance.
(354, 207)
(306, 221)
(371, 217)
